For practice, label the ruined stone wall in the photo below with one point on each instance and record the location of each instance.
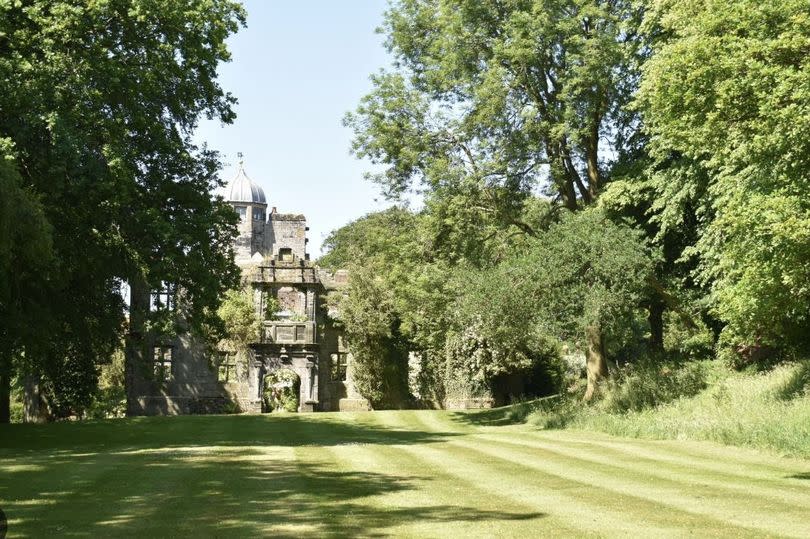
(189, 384)
(286, 230)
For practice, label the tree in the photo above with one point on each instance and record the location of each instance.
(26, 252)
(238, 314)
(578, 282)
(725, 94)
(490, 101)
(384, 254)
(501, 95)
(100, 102)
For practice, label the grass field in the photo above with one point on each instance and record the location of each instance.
(410, 473)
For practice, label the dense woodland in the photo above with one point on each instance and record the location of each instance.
(620, 181)
(605, 184)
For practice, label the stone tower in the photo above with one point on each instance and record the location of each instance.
(248, 199)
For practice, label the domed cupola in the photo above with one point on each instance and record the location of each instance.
(242, 189)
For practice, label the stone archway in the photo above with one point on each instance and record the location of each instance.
(281, 391)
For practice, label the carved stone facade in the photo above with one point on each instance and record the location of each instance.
(180, 376)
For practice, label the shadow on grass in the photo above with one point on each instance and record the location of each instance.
(246, 430)
(235, 476)
(804, 475)
(505, 415)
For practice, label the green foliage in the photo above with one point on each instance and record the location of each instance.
(380, 359)
(725, 93)
(393, 303)
(797, 383)
(271, 307)
(238, 314)
(26, 257)
(744, 409)
(281, 391)
(685, 342)
(474, 325)
(638, 386)
(110, 399)
(100, 102)
(494, 99)
(584, 269)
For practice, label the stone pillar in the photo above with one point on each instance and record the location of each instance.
(311, 303)
(255, 379)
(309, 386)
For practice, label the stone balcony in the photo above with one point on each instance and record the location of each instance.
(284, 274)
(288, 332)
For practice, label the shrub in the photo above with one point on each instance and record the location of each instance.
(647, 384)
(557, 413)
(109, 402)
(687, 342)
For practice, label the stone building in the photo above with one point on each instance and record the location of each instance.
(299, 349)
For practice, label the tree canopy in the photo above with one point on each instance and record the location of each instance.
(684, 120)
(728, 88)
(98, 104)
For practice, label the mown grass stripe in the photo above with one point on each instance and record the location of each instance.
(588, 510)
(440, 421)
(661, 468)
(433, 495)
(739, 513)
(732, 460)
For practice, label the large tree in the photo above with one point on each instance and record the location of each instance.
(490, 101)
(100, 101)
(726, 102)
(581, 279)
(25, 255)
(511, 94)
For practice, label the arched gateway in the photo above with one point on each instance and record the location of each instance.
(279, 369)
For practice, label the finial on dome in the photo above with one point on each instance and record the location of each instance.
(241, 159)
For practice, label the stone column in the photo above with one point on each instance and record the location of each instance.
(309, 386)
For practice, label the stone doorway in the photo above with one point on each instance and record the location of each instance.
(281, 391)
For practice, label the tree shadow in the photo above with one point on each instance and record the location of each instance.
(248, 430)
(206, 482)
(505, 415)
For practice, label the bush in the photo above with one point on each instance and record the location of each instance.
(556, 413)
(16, 412)
(685, 342)
(109, 402)
(646, 385)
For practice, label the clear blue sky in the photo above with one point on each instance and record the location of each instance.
(296, 69)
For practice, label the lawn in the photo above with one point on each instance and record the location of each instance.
(403, 473)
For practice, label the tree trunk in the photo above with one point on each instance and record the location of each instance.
(596, 362)
(32, 400)
(656, 320)
(592, 157)
(5, 390)
(134, 343)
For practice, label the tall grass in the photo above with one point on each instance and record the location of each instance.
(762, 410)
